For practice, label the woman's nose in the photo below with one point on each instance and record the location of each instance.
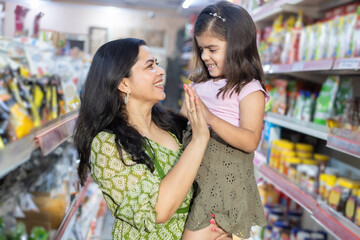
(160, 70)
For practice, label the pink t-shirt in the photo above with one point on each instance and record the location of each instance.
(227, 109)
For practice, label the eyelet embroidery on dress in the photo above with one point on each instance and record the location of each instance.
(229, 150)
(232, 195)
(230, 178)
(226, 188)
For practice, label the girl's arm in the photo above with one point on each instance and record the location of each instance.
(246, 137)
(175, 186)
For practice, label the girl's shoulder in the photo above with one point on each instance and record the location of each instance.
(250, 87)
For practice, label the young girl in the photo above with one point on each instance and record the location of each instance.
(228, 81)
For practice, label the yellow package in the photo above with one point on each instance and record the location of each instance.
(20, 121)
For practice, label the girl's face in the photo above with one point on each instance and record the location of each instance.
(147, 78)
(213, 53)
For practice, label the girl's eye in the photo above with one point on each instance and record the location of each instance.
(212, 50)
(157, 62)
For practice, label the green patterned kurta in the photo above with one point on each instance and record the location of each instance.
(131, 192)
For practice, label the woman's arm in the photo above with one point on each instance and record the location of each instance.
(177, 183)
(247, 136)
(183, 110)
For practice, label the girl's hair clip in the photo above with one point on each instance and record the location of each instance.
(218, 16)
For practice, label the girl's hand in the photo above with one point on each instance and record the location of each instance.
(195, 115)
(222, 234)
(209, 117)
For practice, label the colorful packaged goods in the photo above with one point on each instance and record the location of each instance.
(326, 99)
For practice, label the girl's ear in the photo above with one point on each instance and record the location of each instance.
(124, 85)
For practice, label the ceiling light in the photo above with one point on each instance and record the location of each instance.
(35, 4)
(187, 3)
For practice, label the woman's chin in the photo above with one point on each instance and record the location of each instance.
(164, 96)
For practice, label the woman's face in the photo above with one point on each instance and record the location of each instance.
(213, 53)
(147, 78)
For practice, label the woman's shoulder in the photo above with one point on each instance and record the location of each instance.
(105, 136)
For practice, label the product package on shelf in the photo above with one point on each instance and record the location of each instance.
(292, 98)
(284, 217)
(356, 38)
(326, 99)
(331, 104)
(36, 86)
(334, 36)
(311, 172)
(38, 193)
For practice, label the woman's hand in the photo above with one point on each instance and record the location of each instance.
(222, 234)
(209, 117)
(196, 115)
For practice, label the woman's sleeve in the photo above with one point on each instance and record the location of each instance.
(133, 190)
(138, 205)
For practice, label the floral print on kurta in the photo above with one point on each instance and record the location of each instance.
(131, 192)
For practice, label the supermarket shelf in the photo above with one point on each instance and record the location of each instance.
(331, 66)
(311, 7)
(331, 220)
(16, 153)
(259, 158)
(89, 213)
(335, 223)
(308, 128)
(290, 189)
(267, 11)
(68, 219)
(52, 135)
(100, 221)
(343, 145)
(347, 66)
(308, 66)
(47, 137)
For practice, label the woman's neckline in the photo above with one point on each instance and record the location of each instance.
(169, 149)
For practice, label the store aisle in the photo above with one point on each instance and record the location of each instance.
(107, 226)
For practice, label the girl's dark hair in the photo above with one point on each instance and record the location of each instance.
(103, 108)
(242, 61)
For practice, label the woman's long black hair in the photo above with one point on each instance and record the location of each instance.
(103, 108)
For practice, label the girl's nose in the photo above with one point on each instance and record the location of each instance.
(204, 56)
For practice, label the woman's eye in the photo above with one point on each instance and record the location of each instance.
(212, 50)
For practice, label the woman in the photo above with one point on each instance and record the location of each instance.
(136, 158)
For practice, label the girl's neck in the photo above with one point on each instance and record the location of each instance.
(218, 78)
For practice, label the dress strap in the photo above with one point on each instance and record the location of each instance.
(152, 155)
(160, 171)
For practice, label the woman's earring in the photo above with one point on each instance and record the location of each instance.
(126, 100)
